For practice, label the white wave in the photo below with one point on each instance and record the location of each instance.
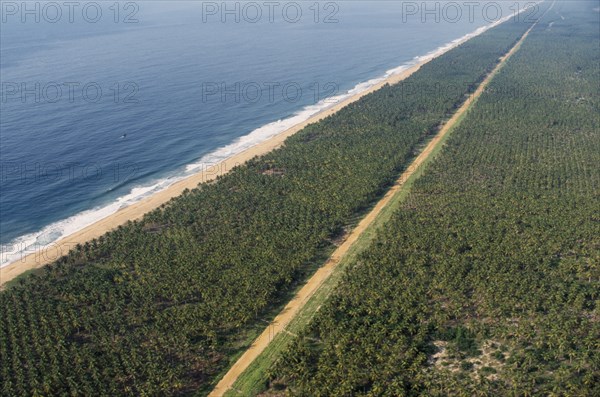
(42, 240)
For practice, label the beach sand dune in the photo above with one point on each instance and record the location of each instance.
(48, 254)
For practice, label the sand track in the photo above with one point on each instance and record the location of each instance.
(308, 290)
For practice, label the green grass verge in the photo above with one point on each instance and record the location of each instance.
(254, 380)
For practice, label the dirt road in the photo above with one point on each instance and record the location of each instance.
(293, 307)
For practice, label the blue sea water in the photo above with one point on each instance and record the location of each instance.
(97, 115)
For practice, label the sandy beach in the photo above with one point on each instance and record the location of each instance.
(45, 255)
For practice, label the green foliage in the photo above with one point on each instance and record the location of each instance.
(462, 339)
(161, 306)
(487, 370)
(496, 250)
(466, 366)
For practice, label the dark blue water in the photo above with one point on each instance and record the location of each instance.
(153, 102)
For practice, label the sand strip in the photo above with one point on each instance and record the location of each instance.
(314, 283)
(41, 256)
(44, 255)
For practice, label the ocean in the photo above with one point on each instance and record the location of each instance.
(105, 103)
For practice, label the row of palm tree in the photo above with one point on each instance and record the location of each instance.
(159, 306)
(485, 282)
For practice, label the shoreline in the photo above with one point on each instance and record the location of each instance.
(44, 255)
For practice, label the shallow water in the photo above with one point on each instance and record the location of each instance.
(96, 116)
